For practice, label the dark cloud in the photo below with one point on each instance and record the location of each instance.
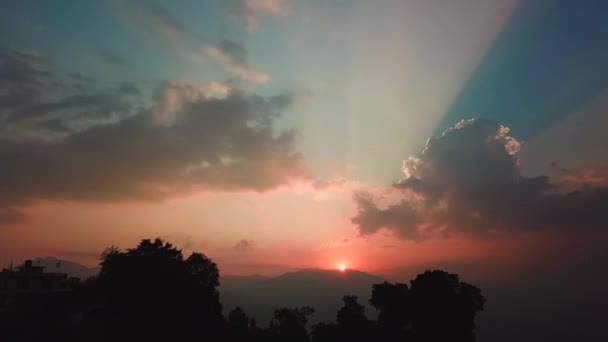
(244, 246)
(129, 88)
(22, 77)
(81, 78)
(104, 144)
(111, 58)
(22, 70)
(37, 104)
(585, 178)
(193, 138)
(468, 181)
(92, 104)
(9, 215)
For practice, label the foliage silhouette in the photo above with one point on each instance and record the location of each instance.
(151, 293)
(393, 303)
(289, 324)
(352, 324)
(443, 308)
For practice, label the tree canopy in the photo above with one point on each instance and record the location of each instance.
(152, 293)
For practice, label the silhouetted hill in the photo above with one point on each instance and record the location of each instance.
(321, 289)
(71, 268)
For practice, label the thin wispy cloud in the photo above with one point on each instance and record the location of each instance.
(249, 12)
(234, 55)
(163, 27)
(110, 57)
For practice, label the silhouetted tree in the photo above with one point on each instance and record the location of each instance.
(436, 307)
(443, 308)
(352, 324)
(204, 270)
(352, 314)
(393, 303)
(241, 328)
(326, 332)
(290, 324)
(151, 293)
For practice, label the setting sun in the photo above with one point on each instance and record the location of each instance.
(342, 267)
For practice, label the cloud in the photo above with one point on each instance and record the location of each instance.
(468, 181)
(245, 246)
(111, 58)
(585, 178)
(235, 56)
(10, 215)
(185, 241)
(170, 32)
(194, 137)
(80, 78)
(38, 104)
(195, 57)
(23, 75)
(157, 21)
(248, 74)
(249, 11)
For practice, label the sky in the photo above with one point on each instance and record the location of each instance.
(275, 135)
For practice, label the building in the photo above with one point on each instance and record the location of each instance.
(27, 283)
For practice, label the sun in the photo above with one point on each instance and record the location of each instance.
(342, 267)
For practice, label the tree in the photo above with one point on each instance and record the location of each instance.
(352, 314)
(241, 328)
(204, 270)
(290, 324)
(393, 303)
(353, 325)
(443, 308)
(151, 293)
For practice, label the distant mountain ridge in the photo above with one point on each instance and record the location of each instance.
(260, 295)
(323, 290)
(72, 269)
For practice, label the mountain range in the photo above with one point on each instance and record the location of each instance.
(321, 289)
(539, 304)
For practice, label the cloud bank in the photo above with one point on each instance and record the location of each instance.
(468, 182)
(113, 144)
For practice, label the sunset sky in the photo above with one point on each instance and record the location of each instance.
(275, 135)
